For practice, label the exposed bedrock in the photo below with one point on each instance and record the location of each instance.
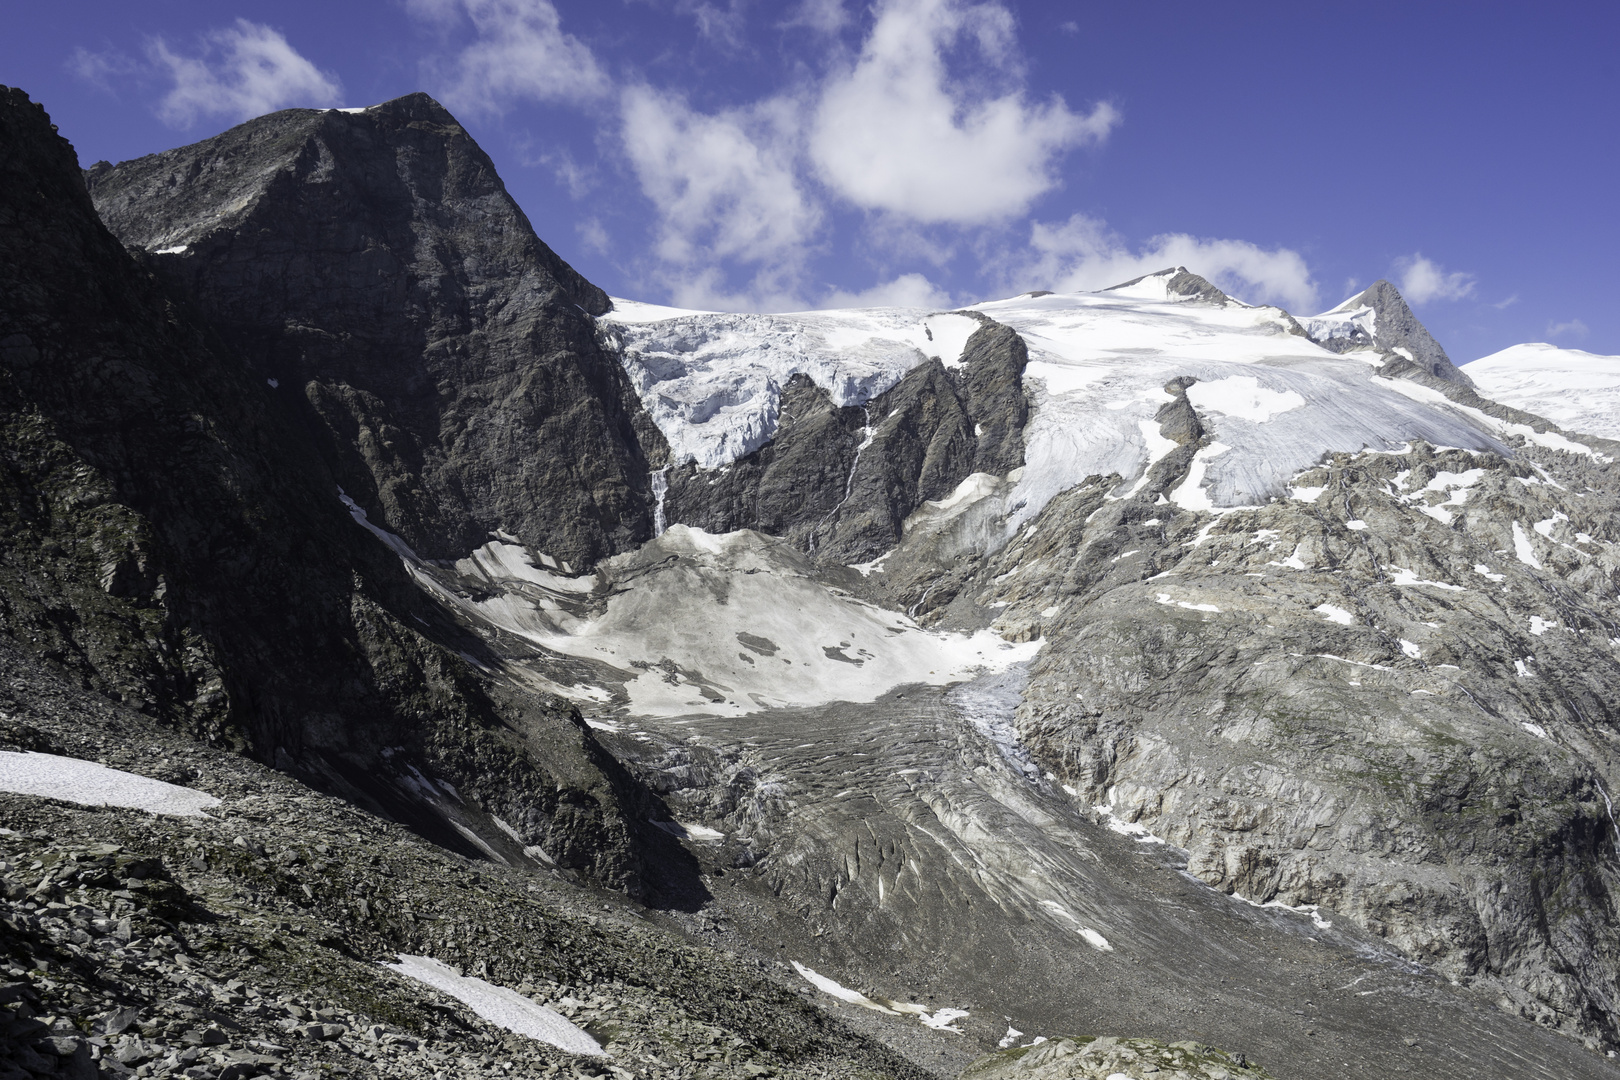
(840, 482)
(1392, 697)
(173, 545)
(1378, 318)
(373, 265)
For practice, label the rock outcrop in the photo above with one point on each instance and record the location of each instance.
(840, 483)
(372, 266)
(172, 543)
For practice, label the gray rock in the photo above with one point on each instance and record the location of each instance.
(374, 265)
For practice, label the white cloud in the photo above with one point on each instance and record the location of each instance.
(594, 236)
(725, 189)
(826, 16)
(722, 26)
(1422, 280)
(1083, 254)
(102, 68)
(1574, 328)
(243, 72)
(1509, 302)
(899, 133)
(521, 54)
(907, 290)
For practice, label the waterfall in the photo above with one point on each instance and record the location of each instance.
(660, 486)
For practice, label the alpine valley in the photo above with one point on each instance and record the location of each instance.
(415, 662)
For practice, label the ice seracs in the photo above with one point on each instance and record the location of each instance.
(712, 382)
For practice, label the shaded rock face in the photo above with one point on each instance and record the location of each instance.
(374, 266)
(840, 483)
(172, 544)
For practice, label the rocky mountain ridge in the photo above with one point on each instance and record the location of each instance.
(1296, 654)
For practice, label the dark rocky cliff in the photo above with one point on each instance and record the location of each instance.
(373, 265)
(840, 483)
(171, 543)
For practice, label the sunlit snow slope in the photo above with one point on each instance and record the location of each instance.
(1576, 390)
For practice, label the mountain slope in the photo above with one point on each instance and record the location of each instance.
(172, 542)
(1575, 389)
(372, 264)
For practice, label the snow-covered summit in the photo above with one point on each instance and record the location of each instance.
(1574, 389)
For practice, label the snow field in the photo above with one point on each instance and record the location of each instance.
(72, 780)
(502, 1007)
(939, 1020)
(700, 623)
(1574, 389)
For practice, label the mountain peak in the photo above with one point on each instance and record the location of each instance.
(1173, 284)
(1378, 317)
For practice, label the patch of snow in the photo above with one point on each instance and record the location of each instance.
(1577, 390)
(400, 547)
(1484, 571)
(700, 833)
(51, 776)
(1135, 830)
(1012, 1036)
(1535, 729)
(1191, 494)
(1523, 548)
(1335, 614)
(1164, 598)
(1539, 626)
(178, 249)
(1313, 910)
(1411, 649)
(1355, 525)
(1242, 396)
(1523, 670)
(500, 1006)
(681, 611)
(867, 569)
(1306, 494)
(939, 1020)
(1092, 937)
(500, 561)
(1403, 576)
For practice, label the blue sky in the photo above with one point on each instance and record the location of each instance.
(723, 153)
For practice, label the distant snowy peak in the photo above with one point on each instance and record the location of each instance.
(1577, 390)
(712, 381)
(1171, 286)
(1379, 320)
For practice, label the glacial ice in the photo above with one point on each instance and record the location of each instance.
(1098, 365)
(712, 382)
